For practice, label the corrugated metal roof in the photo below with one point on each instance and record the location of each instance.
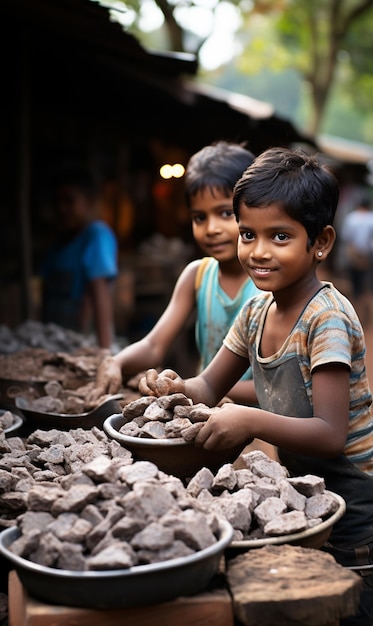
(88, 25)
(257, 109)
(346, 150)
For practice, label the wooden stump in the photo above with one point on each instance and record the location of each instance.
(289, 585)
(209, 608)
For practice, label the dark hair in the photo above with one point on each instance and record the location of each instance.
(307, 190)
(216, 167)
(75, 175)
(364, 202)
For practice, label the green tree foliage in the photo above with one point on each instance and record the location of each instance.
(327, 43)
(324, 37)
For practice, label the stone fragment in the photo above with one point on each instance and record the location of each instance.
(286, 524)
(308, 485)
(225, 478)
(137, 407)
(321, 505)
(269, 509)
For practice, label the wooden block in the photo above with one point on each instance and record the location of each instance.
(291, 585)
(210, 608)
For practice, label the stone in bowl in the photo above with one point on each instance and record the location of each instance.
(17, 421)
(314, 537)
(173, 456)
(136, 586)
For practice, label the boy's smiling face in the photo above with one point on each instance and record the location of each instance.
(214, 225)
(274, 248)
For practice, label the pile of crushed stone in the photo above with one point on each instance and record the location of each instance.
(34, 334)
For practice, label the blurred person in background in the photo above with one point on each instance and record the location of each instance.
(357, 238)
(79, 269)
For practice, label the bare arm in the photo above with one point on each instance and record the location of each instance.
(243, 392)
(322, 435)
(150, 351)
(101, 296)
(209, 387)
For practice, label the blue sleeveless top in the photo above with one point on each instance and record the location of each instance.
(216, 311)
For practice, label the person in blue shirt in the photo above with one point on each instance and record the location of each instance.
(79, 269)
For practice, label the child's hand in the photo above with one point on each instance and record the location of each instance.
(163, 384)
(108, 380)
(227, 427)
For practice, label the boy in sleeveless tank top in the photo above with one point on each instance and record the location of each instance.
(215, 286)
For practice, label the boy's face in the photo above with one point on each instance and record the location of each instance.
(73, 207)
(214, 225)
(272, 247)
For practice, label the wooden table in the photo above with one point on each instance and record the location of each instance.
(271, 586)
(211, 608)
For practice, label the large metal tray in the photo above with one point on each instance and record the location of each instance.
(136, 586)
(66, 421)
(311, 538)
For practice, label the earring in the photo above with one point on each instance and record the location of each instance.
(319, 254)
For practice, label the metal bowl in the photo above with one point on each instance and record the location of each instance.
(66, 421)
(173, 456)
(17, 423)
(136, 586)
(311, 538)
(10, 389)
